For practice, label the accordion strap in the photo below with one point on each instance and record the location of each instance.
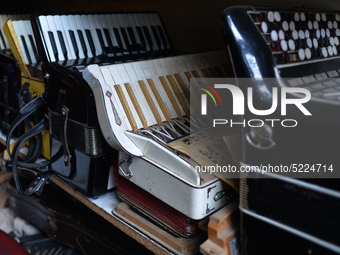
(28, 162)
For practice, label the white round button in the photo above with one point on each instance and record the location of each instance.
(323, 33)
(309, 43)
(317, 33)
(317, 17)
(337, 17)
(270, 16)
(274, 36)
(315, 43)
(301, 54)
(324, 52)
(335, 24)
(307, 35)
(335, 51)
(284, 45)
(331, 41)
(285, 26)
(301, 34)
(328, 33)
(264, 27)
(277, 16)
(336, 41)
(337, 32)
(330, 50)
(308, 53)
(295, 35)
(292, 25)
(291, 44)
(302, 16)
(310, 25)
(281, 35)
(315, 24)
(324, 17)
(296, 17)
(330, 24)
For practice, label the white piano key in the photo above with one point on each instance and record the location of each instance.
(138, 23)
(124, 27)
(2, 23)
(81, 27)
(169, 70)
(112, 77)
(67, 29)
(176, 66)
(153, 23)
(162, 72)
(98, 25)
(158, 22)
(121, 79)
(60, 27)
(89, 24)
(192, 62)
(150, 118)
(32, 47)
(53, 29)
(151, 72)
(130, 23)
(114, 23)
(145, 23)
(45, 28)
(18, 31)
(141, 76)
(25, 28)
(106, 78)
(105, 25)
(199, 66)
(73, 26)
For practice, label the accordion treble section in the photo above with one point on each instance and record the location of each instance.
(67, 44)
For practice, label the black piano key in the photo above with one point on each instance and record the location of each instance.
(74, 43)
(163, 38)
(108, 38)
(82, 42)
(141, 36)
(26, 50)
(119, 40)
(3, 40)
(155, 34)
(148, 37)
(132, 35)
(62, 44)
(90, 40)
(125, 37)
(53, 44)
(35, 52)
(100, 38)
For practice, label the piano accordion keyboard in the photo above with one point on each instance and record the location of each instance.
(152, 96)
(120, 36)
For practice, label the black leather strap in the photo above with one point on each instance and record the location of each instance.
(35, 147)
